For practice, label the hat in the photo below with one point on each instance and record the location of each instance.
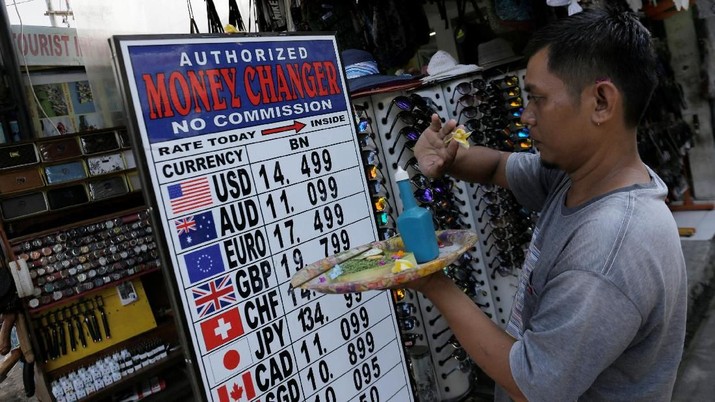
(495, 53)
(362, 72)
(443, 66)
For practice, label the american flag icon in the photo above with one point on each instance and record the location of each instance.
(190, 195)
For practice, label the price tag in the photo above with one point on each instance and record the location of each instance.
(250, 149)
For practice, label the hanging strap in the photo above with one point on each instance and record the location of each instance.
(234, 16)
(214, 20)
(193, 27)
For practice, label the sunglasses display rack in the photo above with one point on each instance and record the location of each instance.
(382, 191)
(489, 108)
(398, 120)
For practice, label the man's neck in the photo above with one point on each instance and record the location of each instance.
(606, 171)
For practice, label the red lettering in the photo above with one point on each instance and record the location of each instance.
(284, 93)
(308, 80)
(265, 84)
(43, 45)
(198, 88)
(229, 75)
(215, 85)
(57, 45)
(248, 76)
(176, 97)
(332, 74)
(319, 76)
(296, 82)
(156, 97)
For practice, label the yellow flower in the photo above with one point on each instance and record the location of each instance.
(460, 136)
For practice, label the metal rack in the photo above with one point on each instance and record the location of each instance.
(491, 279)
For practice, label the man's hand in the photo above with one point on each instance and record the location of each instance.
(434, 157)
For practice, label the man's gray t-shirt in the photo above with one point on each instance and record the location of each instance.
(600, 311)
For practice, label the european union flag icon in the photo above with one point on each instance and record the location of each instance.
(196, 229)
(204, 263)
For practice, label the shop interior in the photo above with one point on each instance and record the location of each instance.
(101, 312)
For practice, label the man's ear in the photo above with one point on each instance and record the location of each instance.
(607, 99)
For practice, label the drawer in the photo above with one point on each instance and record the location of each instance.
(105, 164)
(108, 188)
(65, 197)
(65, 172)
(24, 205)
(97, 143)
(18, 155)
(20, 180)
(52, 151)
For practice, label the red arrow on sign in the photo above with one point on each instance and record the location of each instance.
(297, 126)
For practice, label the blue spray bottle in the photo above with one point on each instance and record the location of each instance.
(415, 223)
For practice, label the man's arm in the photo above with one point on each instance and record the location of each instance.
(480, 165)
(486, 343)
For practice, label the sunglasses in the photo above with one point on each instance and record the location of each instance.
(491, 210)
(470, 112)
(508, 81)
(370, 157)
(451, 341)
(409, 132)
(473, 125)
(381, 204)
(377, 188)
(367, 140)
(459, 354)
(386, 233)
(405, 309)
(472, 99)
(465, 88)
(408, 144)
(409, 339)
(410, 103)
(408, 323)
(412, 164)
(373, 172)
(384, 218)
(412, 118)
(490, 197)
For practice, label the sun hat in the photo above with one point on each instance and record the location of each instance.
(495, 53)
(442, 66)
(362, 72)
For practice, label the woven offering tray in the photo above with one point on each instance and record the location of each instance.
(379, 265)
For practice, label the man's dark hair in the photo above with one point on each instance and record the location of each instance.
(601, 44)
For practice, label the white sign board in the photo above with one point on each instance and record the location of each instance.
(251, 151)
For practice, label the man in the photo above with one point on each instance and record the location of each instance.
(600, 309)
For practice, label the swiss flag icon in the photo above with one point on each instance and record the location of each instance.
(221, 328)
(237, 389)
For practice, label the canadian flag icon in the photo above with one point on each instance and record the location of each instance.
(237, 389)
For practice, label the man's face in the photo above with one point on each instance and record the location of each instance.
(556, 122)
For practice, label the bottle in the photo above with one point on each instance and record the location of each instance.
(415, 223)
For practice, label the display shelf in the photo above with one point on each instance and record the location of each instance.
(146, 372)
(165, 330)
(31, 225)
(86, 221)
(85, 294)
